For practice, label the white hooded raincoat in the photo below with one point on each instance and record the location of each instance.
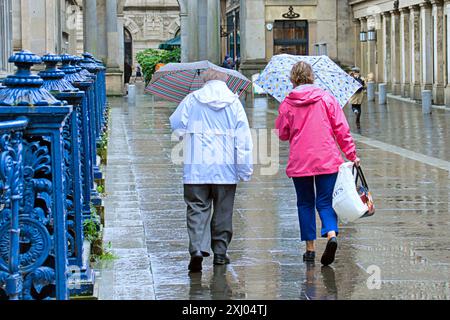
(217, 143)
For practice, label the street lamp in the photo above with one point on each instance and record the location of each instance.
(372, 35)
(363, 36)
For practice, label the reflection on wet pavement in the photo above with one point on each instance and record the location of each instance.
(406, 239)
(403, 124)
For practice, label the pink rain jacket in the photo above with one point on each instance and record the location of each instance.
(313, 121)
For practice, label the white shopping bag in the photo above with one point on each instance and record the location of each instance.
(346, 201)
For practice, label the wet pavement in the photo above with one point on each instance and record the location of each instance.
(406, 242)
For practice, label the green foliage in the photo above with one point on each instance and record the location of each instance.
(103, 144)
(91, 229)
(101, 189)
(148, 59)
(107, 254)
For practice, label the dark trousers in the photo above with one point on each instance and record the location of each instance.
(208, 230)
(356, 108)
(322, 200)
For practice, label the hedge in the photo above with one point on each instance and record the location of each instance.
(148, 59)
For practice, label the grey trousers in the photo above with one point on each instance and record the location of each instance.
(208, 228)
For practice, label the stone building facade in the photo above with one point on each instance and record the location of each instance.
(400, 42)
(151, 22)
(40, 26)
(142, 24)
(308, 27)
(405, 44)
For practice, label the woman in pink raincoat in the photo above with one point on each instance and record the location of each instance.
(314, 124)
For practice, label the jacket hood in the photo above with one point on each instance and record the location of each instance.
(216, 95)
(305, 95)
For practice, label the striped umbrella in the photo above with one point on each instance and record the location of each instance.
(175, 81)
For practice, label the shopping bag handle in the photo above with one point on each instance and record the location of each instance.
(360, 175)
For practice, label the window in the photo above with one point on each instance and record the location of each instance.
(291, 37)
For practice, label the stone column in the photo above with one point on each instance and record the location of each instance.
(414, 35)
(90, 26)
(438, 52)
(426, 47)
(203, 37)
(6, 34)
(386, 30)
(120, 31)
(405, 52)
(114, 76)
(371, 49)
(102, 41)
(379, 50)
(364, 57)
(253, 34)
(184, 20)
(447, 88)
(193, 31)
(358, 51)
(112, 36)
(202, 31)
(395, 52)
(213, 27)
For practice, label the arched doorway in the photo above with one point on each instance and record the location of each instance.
(128, 63)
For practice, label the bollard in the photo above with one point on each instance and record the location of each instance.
(371, 91)
(426, 101)
(132, 94)
(382, 93)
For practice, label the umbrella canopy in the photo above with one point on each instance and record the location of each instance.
(170, 44)
(175, 81)
(275, 79)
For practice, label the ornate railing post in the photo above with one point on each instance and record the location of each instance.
(89, 64)
(11, 193)
(42, 246)
(55, 82)
(101, 89)
(92, 68)
(76, 78)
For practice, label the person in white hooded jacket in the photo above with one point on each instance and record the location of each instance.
(217, 149)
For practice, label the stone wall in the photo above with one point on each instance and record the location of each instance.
(43, 26)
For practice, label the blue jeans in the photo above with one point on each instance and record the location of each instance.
(308, 201)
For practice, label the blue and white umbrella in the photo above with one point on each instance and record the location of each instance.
(275, 79)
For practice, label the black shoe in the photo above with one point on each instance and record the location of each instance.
(309, 256)
(196, 262)
(330, 252)
(221, 259)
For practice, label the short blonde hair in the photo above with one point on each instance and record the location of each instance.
(302, 73)
(212, 74)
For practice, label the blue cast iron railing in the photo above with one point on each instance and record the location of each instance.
(83, 78)
(47, 172)
(11, 194)
(89, 64)
(33, 232)
(74, 136)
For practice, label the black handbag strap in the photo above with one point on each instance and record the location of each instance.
(360, 176)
